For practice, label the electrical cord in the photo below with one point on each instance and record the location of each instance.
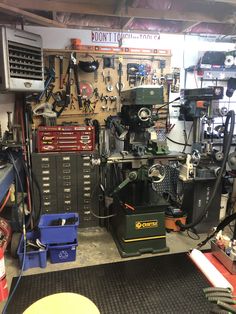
(226, 148)
(29, 185)
(187, 139)
(168, 103)
(92, 212)
(102, 217)
(39, 190)
(5, 201)
(178, 143)
(20, 182)
(40, 199)
(24, 236)
(220, 227)
(196, 238)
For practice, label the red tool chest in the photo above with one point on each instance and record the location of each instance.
(65, 138)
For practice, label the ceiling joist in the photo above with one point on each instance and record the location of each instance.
(29, 16)
(188, 26)
(127, 23)
(172, 15)
(63, 6)
(188, 13)
(121, 10)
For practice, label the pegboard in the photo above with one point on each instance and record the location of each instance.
(104, 83)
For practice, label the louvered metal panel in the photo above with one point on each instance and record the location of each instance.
(21, 61)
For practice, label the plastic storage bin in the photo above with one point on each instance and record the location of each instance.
(33, 258)
(58, 234)
(62, 253)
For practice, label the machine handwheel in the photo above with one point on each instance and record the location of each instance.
(157, 173)
(144, 114)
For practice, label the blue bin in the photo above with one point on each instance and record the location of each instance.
(33, 258)
(58, 234)
(62, 253)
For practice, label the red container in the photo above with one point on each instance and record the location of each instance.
(3, 281)
(65, 138)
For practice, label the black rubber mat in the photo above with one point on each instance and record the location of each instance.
(161, 284)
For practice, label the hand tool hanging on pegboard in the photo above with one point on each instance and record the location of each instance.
(120, 73)
(162, 65)
(61, 71)
(108, 82)
(72, 67)
(50, 77)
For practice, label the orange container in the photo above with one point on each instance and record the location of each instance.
(170, 222)
(75, 43)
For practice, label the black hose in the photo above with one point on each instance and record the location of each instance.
(221, 226)
(33, 178)
(226, 148)
(178, 143)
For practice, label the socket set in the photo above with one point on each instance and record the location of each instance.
(65, 138)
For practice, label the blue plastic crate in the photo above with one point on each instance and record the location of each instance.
(58, 234)
(32, 258)
(62, 253)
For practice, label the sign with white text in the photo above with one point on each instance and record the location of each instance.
(116, 37)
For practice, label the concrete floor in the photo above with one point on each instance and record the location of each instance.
(96, 246)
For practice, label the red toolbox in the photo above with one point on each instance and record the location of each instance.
(65, 138)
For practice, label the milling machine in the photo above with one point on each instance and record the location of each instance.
(137, 168)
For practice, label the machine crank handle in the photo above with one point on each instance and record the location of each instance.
(131, 177)
(127, 206)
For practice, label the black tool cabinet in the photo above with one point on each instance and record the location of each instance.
(66, 182)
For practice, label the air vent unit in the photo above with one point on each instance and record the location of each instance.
(21, 61)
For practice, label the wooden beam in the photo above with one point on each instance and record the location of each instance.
(187, 26)
(172, 15)
(128, 22)
(63, 6)
(54, 16)
(221, 1)
(205, 15)
(29, 16)
(118, 6)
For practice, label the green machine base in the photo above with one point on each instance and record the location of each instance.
(139, 231)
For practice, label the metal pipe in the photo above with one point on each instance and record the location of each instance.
(196, 130)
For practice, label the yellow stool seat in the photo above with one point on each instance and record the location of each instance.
(61, 303)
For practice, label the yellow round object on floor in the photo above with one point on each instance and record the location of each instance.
(61, 303)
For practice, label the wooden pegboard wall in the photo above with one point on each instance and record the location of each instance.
(99, 81)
